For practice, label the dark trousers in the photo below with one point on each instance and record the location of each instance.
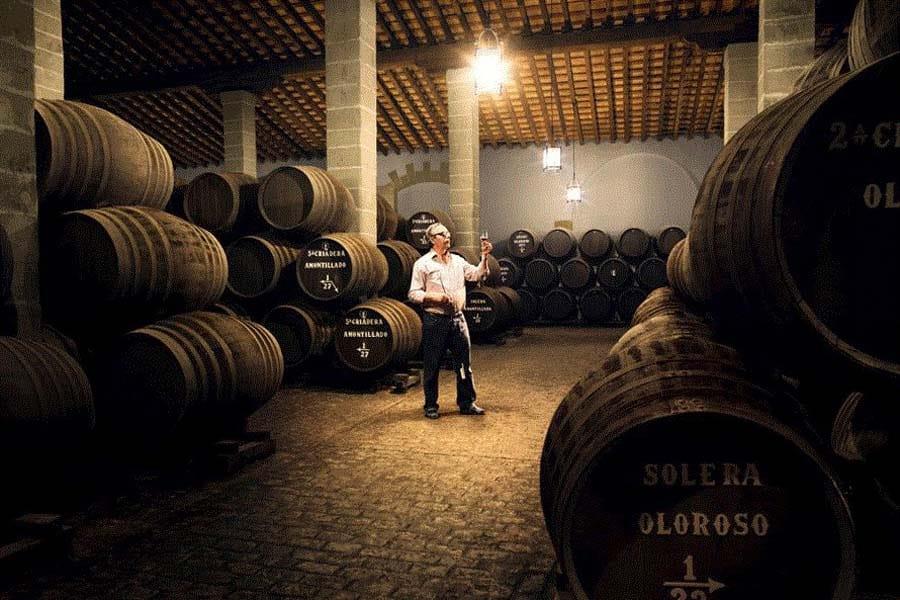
(440, 333)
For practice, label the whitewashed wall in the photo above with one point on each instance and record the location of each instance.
(650, 185)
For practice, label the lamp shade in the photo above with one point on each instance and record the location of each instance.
(552, 160)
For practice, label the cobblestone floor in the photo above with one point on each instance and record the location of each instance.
(363, 499)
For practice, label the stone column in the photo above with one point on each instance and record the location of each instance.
(48, 55)
(239, 122)
(20, 311)
(787, 39)
(350, 93)
(740, 86)
(465, 146)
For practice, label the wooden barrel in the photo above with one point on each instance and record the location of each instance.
(400, 258)
(558, 244)
(132, 263)
(634, 243)
(377, 334)
(175, 205)
(874, 32)
(651, 273)
(614, 273)
(628, 301)
(522, 244)
(831, 63)
(487, 310)
(595, 244)
(387, 219)
(791, 258)
(596, 306)
(515, 302)
(302, 332)
(419, 222)
(193, 371)
(223, 203)
(510, 273)
(559, 305)
(662, 301)
(45, 398)
(493, 277)
(304, 200)
(541, 274)
(679, 275)
(531, 305)
(88, 157)
(667, 239)
(256, 264)
(669, 469)
(663, 327)
(576, 274)
(341, 266)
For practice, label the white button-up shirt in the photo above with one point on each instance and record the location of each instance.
(430, 274)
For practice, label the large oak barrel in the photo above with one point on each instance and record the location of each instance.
(558, 244)
(628, 301)
(522, 244)
(129, 264)
(223, 203)
(341, 266)
(651, 273)
(45, 399)
(634, 243)
(596, 305)
(418, 224)
(595, 244)
(541, 274)
(661, 301)
(377, 334)
(515, 302)
(614, 273)
(256, 264)
(793, 258)
(576, 274)
(487, 310)
(669, 472)
(663, 327)
(387, 219)
(874, 32)
(88, 157)
(531, 305)
(831, 63)
(302, 332)
(667, 239)
(305, 200)
(194, 371)
(510, 273)
(400, 258)
(559, 305)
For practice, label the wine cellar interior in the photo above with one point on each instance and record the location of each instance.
(242, 241)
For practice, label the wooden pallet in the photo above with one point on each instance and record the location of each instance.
(227, 456)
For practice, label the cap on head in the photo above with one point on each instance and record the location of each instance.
(436, 229)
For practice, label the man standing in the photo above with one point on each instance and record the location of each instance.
(439, 285)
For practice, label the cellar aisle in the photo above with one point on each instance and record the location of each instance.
(364, 498)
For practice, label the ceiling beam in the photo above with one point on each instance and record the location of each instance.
(610, 95)
(708, 32)
(593, 94)
(554, 90)
(574, 98)
(445, 26)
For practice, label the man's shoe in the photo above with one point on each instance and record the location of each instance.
(431, 413)
(472, 409)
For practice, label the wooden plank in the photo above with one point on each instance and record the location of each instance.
(423, 23)
(497, 118)
(554, 87)
(392, 103)
(415, 110)
(520, 91)
(526, 20)
(574, 98)
(485, 18)
(590, 77)
(246, 28)
(626, 89)
(701, 74)
(464, 23)
(393, 126)
(548, 123)
(610, 94)
(498, 6)
(684, 64)
(433, 107)
(411, 39)
(515, 120)
(289, 31)
(445, 26)
(548, 22)
(394, 42)
(210, 11)
(567, 18)
(317, 39)
(663, 99)
(713, 109)
(645, 93)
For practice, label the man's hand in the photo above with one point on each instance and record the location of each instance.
(486, 247)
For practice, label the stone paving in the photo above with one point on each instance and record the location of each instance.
(363, 499)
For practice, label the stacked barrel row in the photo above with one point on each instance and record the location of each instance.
(293, 266)
(116, 270)
(743, 405)
(594, 280)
